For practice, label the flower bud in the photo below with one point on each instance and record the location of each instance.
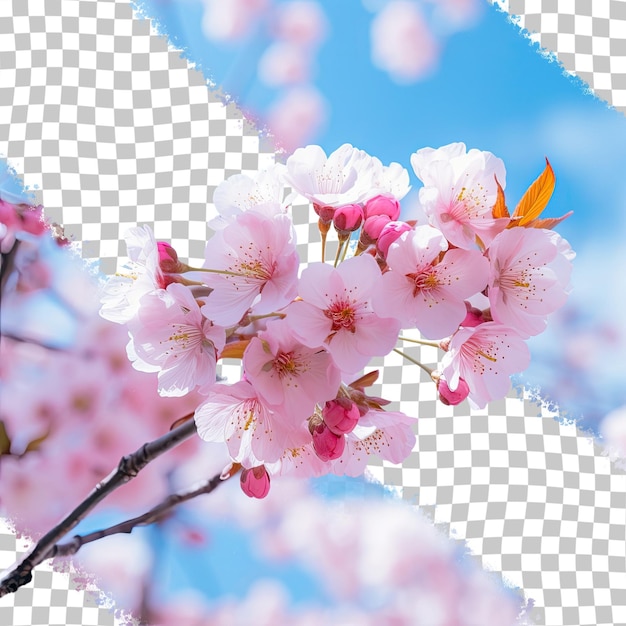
(325, 213)
(371, 230)
(389, 234)
(449, 397)
(474, 316)
(255, 482)
(348, 218)
(327, 445)
(341, 415)
(168, 258)
(383, 205)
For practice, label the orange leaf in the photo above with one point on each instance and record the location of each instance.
(550, 222)
(536, 197)
(499, 208)
(234, 350)
(365, 381)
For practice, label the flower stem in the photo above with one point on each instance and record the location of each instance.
(339, 249)
(128, 467)
(410, 358)
(433, 344)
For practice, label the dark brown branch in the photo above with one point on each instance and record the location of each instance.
(128, 467)
(7, 261)
(150, 517)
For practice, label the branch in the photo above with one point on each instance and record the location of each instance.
(128, 467)
(7, 261)
(155, 514)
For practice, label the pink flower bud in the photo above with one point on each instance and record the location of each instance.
(372, 227)
(327, 445)
(348, 218)
(325, 213)
(32, 220)
(341, 416)
(383, 205)
(389, 234)
(255, 482)
(449, 397)
(168, 258)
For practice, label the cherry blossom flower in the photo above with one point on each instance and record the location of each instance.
(291, 378)
(296, 116)
(170, 335)
(330, 181)
(227, 21)
(301, 22)
(336, 311)
(253, 433)
(402, 43)
(284, 63)
(423, 293)
(485, 357)
(121, 293)
(262, 193)
(386, 434)
(529, 277)
(260, 252)
(459, 192)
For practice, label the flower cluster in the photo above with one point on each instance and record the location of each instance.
(475, 278)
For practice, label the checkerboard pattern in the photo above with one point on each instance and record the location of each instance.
(534, 498)
(587, 37)
(116, 130)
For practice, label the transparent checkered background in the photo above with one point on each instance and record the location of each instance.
(114, 128)
(588, 37)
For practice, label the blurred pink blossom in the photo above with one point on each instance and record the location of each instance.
(301, 22)
(402, 43)
(284, 63)
(232, 19)
(296, 116)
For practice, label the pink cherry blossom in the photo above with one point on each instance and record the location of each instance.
(170, 335)
(336, 311)
(121, 293)
(262, 193)
(261, 254)
(290, 377)
(253, 433)
(402, 43)
(386, 434)
(460, 191)
(302, 22)
(284, 63)
(329, 181)
(227, 21)
(529, 277)
(423, 293)
(485, 357)
(296, 116)
(389, 180)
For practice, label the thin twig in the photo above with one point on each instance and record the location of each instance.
(155, 514)
(128, 467)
